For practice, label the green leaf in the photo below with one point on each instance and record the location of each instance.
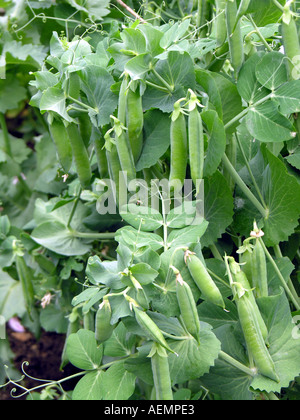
(134, 41)
(271, 70)
(120, 343)
(174, 33)
(103, 272)
(118, 383)
(266, 124)
(265, 12)
(139, 66)
(138, 239)
(11, 297)
(218, 207)
(193, 360)
(283, 348)
(145, 218)
(94, 8)
(294, 158)
(248, 86)
(205, 79)
(178, 71)
(54, 99)
(89, 387)
(288, 97)
(187, 235)
(58, 238)
(156, 138)
(280, 189)
(96, 84)
(143, 273)
(11, 93)
(82, 350)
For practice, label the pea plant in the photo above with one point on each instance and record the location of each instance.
(150, 199)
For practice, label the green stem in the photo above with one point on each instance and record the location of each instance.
(259, 34)
(243, 186)
(250, 172)
(166, 84)
(91, 235)
(293, 298)
(82, 104)
(215, 252)
(73, 209)
(278, 5)
(245, 111)
(236, 363)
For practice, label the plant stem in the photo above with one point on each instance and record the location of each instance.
(294, 299)
(170, 88)
(243, 186)
(250, 172)
(132, 12)
(236, 363)
(259, 34)
(73, 209)
(82, 104)
(92, 235)
(278, 5)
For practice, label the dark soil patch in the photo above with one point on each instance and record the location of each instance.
(44, 358)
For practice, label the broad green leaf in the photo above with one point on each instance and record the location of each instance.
(193, 360)
(223, 379)
(205, 79)
(294, 158)
(218, 207)
(89, 387)
(182, 215)
(230, 99)
(54, 99)
(248, 86)
(145, 218)
(118, 383)
(58, 238)
(11, 93)
(174, 33)
(120, 343)
(96, 84)
(11, 297)
(95, 9)
(137, 239)
(284, 348)
(267, 125)
(156, 138)
(139, 66)
(134, 41)
(216, 316)
(178, 71)
(282, 193)
(18, 52)
(271, 70)
(54, 318)
(288, 97)
(153, 37)
(103, 272)
(82, 350)
(143, 273)
(216, 142)
(265, 12)
(187, 235)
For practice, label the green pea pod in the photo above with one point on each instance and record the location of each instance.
(254, 339)
(123, 100)
(179, 153)
(85, 128)
(203, 280)
(150, 328)
(291, 43)
(80, 154)
(73, 327)
(124, 150)
(220, 22)
(62, 143)
(196, 142)
(259, 270)
(25, 277)
(235, 38)
(161, 373)
(188, 308)
(98, 139)
(242, 10)
(103, 326)
(240, 278)
(114, 169)
(135, 122)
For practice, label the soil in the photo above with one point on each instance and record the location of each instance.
(44, 357)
